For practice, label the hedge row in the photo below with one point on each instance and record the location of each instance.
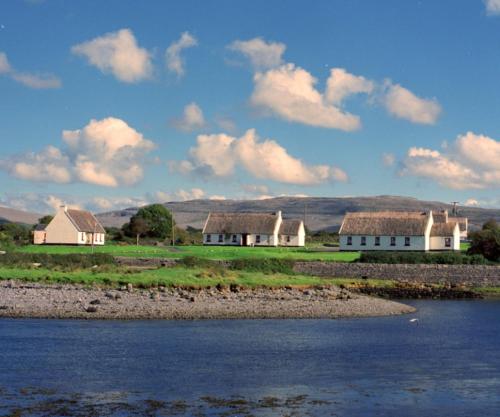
(70, 261)
(447, 258)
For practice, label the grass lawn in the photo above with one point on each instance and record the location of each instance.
(204, 252)
(182, 277)
(464, 246)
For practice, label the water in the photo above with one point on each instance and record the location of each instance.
(447, 364)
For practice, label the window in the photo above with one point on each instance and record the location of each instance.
(234, 238)
(257, 239)
(221, 238)
(447, 242)
(377, 240)
(209, 238)
(288, 239)
(407, 241)
(363, 240)
(349, 240)
(393, 240)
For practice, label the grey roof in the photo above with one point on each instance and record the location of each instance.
(290, 227)
(385, 223)
(443, 229)
(40, 227)
(85, 221)
(226, 223)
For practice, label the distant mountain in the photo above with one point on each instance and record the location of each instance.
(18, 216)
(321, 213)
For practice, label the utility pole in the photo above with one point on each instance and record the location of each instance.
(173, 227)
(305, 212)
(454, 211)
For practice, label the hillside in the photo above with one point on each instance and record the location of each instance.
(18, 216)
(321, 213)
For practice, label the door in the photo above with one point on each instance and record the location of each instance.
(244, 239)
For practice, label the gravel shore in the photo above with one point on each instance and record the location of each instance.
(21, 299)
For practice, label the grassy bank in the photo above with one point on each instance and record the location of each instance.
(203, 252)
(174, 277)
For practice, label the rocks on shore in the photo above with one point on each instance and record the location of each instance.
(220, 302)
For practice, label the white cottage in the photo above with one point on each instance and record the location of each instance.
(252, 229)
(397, 231)
(71, 227)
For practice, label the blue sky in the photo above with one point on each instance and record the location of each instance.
(254, 99)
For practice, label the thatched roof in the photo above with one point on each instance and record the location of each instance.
(462, 222)
(443, 229)
(85, 221)
(440, 216)
(385, 223)
(290, 227)
(227, 223)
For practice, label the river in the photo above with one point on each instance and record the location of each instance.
(446, 363)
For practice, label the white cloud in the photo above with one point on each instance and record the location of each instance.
(341, 85)
(492, 7)
(255, 189)
(388, 159)
(471, 202)
(105, 152)
(192, 119)
(173, 57)
(4, 63)
(471, 162)
(218, 155)
(289, 92)
(37, 81)
(217, 197)
(262, 54)
(402, 103)
(119, 54)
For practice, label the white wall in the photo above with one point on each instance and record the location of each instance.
(265, 240)
(295, 240)
(417, 243)
(439, 242)
(62, 231)
(38, 237)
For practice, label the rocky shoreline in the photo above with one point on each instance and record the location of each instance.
(33, 300)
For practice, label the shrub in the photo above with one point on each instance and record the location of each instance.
(448, 258)
(267, 266)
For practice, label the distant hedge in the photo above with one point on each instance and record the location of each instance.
(69, 261)
(446, 258)
(266, 265)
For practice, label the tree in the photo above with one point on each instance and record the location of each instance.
(486, 241)
(45, 219)
(138, 227)
(156, 222)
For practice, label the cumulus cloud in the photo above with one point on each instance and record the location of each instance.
(218, 155)
(255, 189)
(105, 152)
(471, 202)
(173, 57)
(289, 92)
(192, 119)
(492, 7)
(179, 195)
(37, 81)
(402, 103)
(262, 54)
(119, 54)
(471, 162)
(342, 84)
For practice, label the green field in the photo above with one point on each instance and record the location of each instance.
(203, 252)
(175, 277)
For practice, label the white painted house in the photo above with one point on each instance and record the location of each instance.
(398, 231)
(71, 227)
(252, 229)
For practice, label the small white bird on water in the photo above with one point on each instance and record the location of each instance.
(414, 321)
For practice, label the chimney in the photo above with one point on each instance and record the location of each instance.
(63, 207)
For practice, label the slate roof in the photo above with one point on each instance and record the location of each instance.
(290, 227)
(85, 221)
(40, 227)
(443, 229)
(254, 223)
(385, 223)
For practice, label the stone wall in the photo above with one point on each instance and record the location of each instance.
(471, 275)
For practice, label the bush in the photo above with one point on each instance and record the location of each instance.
(65, 262)
(267, 266)
(486, 242)
(447, 258)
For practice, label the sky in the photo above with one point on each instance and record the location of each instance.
(107, 105)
